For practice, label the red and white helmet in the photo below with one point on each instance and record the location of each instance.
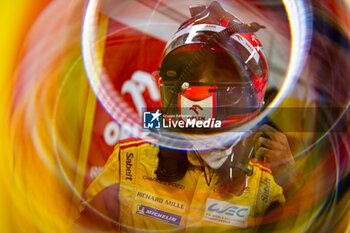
(214, 67)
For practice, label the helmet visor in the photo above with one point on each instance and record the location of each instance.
(204, 101)
(214, 66)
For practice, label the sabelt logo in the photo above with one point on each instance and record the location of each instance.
(266, 190)
(226, 213)
(128, 165)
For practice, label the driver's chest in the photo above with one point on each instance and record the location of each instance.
(188, 205)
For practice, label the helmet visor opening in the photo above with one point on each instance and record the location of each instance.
(206, 101)
(214, 67)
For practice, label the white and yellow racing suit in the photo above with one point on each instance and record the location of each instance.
(139, 202)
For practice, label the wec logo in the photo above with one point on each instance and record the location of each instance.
(226, 213)
(231, 210)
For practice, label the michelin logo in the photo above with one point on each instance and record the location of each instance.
(159, 215)
(151, 120)
(226, 213)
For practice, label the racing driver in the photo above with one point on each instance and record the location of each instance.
(213, 67)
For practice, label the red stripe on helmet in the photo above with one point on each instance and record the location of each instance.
(224, 23)
(190, 23)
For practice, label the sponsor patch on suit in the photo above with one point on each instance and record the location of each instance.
(226, 213)
(159, 215)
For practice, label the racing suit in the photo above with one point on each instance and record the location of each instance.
(143, 203)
